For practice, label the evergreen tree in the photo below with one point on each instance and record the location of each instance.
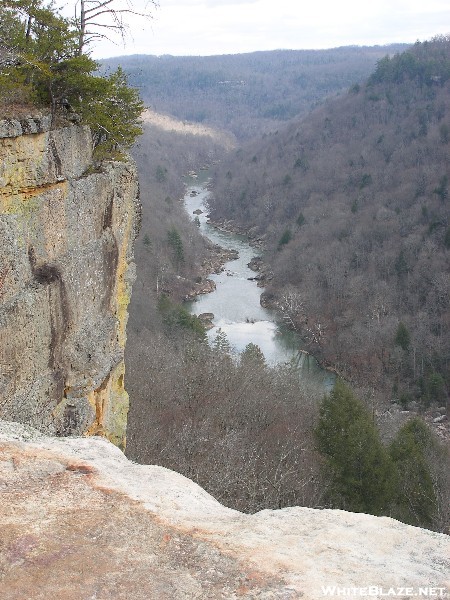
(415, 498)
(177, 317)
(402, 337)
(252, 354)
(40, 64)
(401, 266)
(285, 238)
(358, 466)
(221, 343)
(300, 219)
(176, 243)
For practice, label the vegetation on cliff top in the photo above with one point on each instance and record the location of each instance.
(45, 62)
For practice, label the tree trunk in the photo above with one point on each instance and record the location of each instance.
(82, 27)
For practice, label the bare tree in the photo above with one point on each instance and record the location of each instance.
(291, 305)
(99, 18)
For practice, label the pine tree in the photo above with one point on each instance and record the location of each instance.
(358, 466)
(176, 243)
(40, 64)
(221, 343)
(402, 337)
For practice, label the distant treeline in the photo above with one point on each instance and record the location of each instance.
(248, 93)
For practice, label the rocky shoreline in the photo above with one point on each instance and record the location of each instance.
(214, 263)
(249, 232)
(264, 274)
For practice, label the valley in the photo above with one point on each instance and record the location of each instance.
(236, 301)
(335, 199)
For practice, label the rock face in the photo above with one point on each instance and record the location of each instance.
(79, 521)
(66, 232)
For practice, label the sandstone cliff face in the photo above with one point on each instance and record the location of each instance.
(66, 269)
(79, 521)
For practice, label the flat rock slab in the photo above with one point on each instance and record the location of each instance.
(80, 521)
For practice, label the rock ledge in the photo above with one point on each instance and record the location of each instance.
(79, 520)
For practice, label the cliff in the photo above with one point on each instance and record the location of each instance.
(78, 520)
(66, 229)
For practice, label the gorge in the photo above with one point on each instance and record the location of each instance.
(77, 519)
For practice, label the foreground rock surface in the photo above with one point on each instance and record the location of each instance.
(79, 521)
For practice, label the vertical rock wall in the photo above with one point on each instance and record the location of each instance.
(66, 249)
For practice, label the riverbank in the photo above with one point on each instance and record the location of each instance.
(214, 263)
(256, 264)
(268, 299)
(231, 227)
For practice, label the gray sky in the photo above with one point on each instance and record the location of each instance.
(204, 27)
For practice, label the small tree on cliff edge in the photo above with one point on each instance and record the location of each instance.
(40, 56)
(358, 467)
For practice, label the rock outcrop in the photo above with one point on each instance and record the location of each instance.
(79, 521)
(66, 231)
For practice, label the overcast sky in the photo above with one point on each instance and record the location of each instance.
(205, 27)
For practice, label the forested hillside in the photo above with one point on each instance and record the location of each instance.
(248, 94)
(352, 203)
(251, 434)
(170, 251)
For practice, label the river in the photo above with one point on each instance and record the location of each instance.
(235, 302)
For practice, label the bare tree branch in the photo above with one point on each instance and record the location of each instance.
(88, 11)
